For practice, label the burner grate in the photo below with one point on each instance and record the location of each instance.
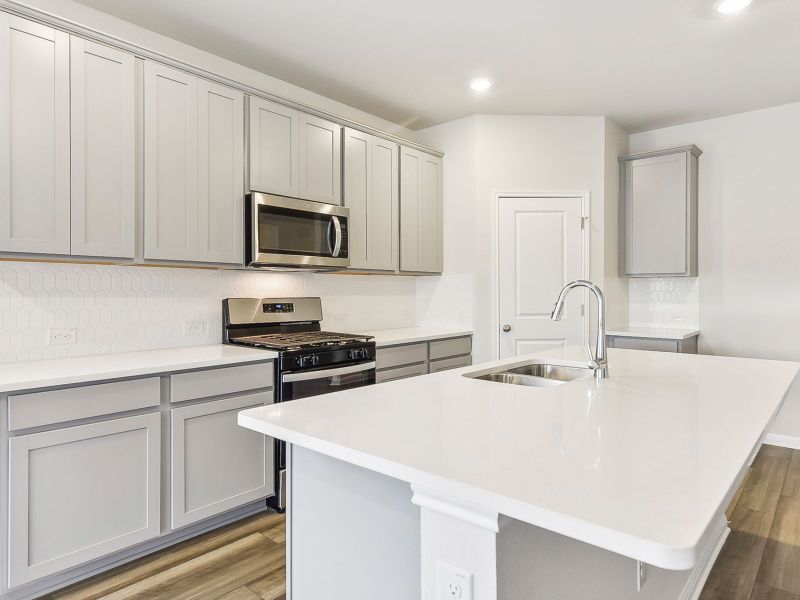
(305, 339)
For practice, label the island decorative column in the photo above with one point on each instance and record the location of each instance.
(459, 547)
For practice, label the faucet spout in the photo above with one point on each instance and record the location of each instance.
(599, 362)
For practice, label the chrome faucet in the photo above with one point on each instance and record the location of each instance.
(598, 362)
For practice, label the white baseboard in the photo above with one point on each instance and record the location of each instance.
(699, 575)
(785, 441)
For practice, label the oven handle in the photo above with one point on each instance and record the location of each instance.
(337, 226)
(323, 373)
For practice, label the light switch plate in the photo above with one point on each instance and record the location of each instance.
(452, 583)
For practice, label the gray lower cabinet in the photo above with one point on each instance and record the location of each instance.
(686, 346)
(80, 493)
(409, 360)
(217, 465)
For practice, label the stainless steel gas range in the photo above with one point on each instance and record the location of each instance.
(310, 361)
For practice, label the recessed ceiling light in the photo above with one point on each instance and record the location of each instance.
(728, 7)
(481, 84)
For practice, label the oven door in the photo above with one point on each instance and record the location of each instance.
(312, 383)
(292, 233)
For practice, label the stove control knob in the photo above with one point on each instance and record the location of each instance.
(298, 361)
(314, 360)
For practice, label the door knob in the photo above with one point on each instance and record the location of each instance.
(506, 328)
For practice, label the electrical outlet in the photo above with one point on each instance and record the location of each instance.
(452, 583)
(61, 337)
(193, 328)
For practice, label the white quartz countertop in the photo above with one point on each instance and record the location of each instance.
(658, 333)
(70, 371)
(639, 464)
(409, 335)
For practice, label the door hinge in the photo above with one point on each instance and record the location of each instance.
(583, 310)
(584, 220)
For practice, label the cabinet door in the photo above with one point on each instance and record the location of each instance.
(320, 160)
(656, 215)
(80, 493)
(220, 190)
(170, 163)
(382, 225)
(34, 137)
(357, 188)
(216, 464)
(420, 212)
(103, 157)
(410, 201)
(274, 148)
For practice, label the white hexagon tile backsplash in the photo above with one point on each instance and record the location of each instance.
(121, 309)
(664, 302)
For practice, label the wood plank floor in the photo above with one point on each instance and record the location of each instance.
(761, 559)
(242, 561)
(245, 560)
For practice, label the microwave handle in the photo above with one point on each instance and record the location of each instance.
(337, 227)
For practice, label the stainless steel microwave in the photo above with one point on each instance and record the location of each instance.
(289, 233)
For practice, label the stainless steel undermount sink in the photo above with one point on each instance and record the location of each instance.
(536, 375)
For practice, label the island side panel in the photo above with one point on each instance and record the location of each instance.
(536, 564)
(351, 532)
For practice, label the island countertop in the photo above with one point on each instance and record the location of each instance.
(638, 464)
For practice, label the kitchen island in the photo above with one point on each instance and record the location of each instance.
(588, 489)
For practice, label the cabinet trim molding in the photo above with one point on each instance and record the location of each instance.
(51, 20)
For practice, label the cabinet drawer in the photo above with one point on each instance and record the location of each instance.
(215, 382)
(643, 344)
(396, 356)
(80, 493)
(216, 464)
(401, 373)
(452, 347)
(58, 406)
(450, 363)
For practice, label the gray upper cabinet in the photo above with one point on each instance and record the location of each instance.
(194, 168)
(220, 189)
(274, 148)
(103, 147)
(294, 154)
(34, 137)
(320, 160)
(658, 213)
(371, 192)
(170, 163)
(420, 211)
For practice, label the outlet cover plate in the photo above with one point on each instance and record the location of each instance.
(452, 583)
(194, 328)
(61, 337)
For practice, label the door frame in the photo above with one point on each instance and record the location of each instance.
(497, 198)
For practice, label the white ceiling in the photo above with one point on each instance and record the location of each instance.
(644, 63)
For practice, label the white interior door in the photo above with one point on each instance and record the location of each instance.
(540, 250)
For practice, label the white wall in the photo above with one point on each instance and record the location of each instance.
(489, 153)
(749, 247)
(120, 309)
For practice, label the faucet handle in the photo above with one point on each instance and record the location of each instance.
(592, 360)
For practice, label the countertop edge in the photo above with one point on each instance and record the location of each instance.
(652, 553)
(407, 335)
(147, 367)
